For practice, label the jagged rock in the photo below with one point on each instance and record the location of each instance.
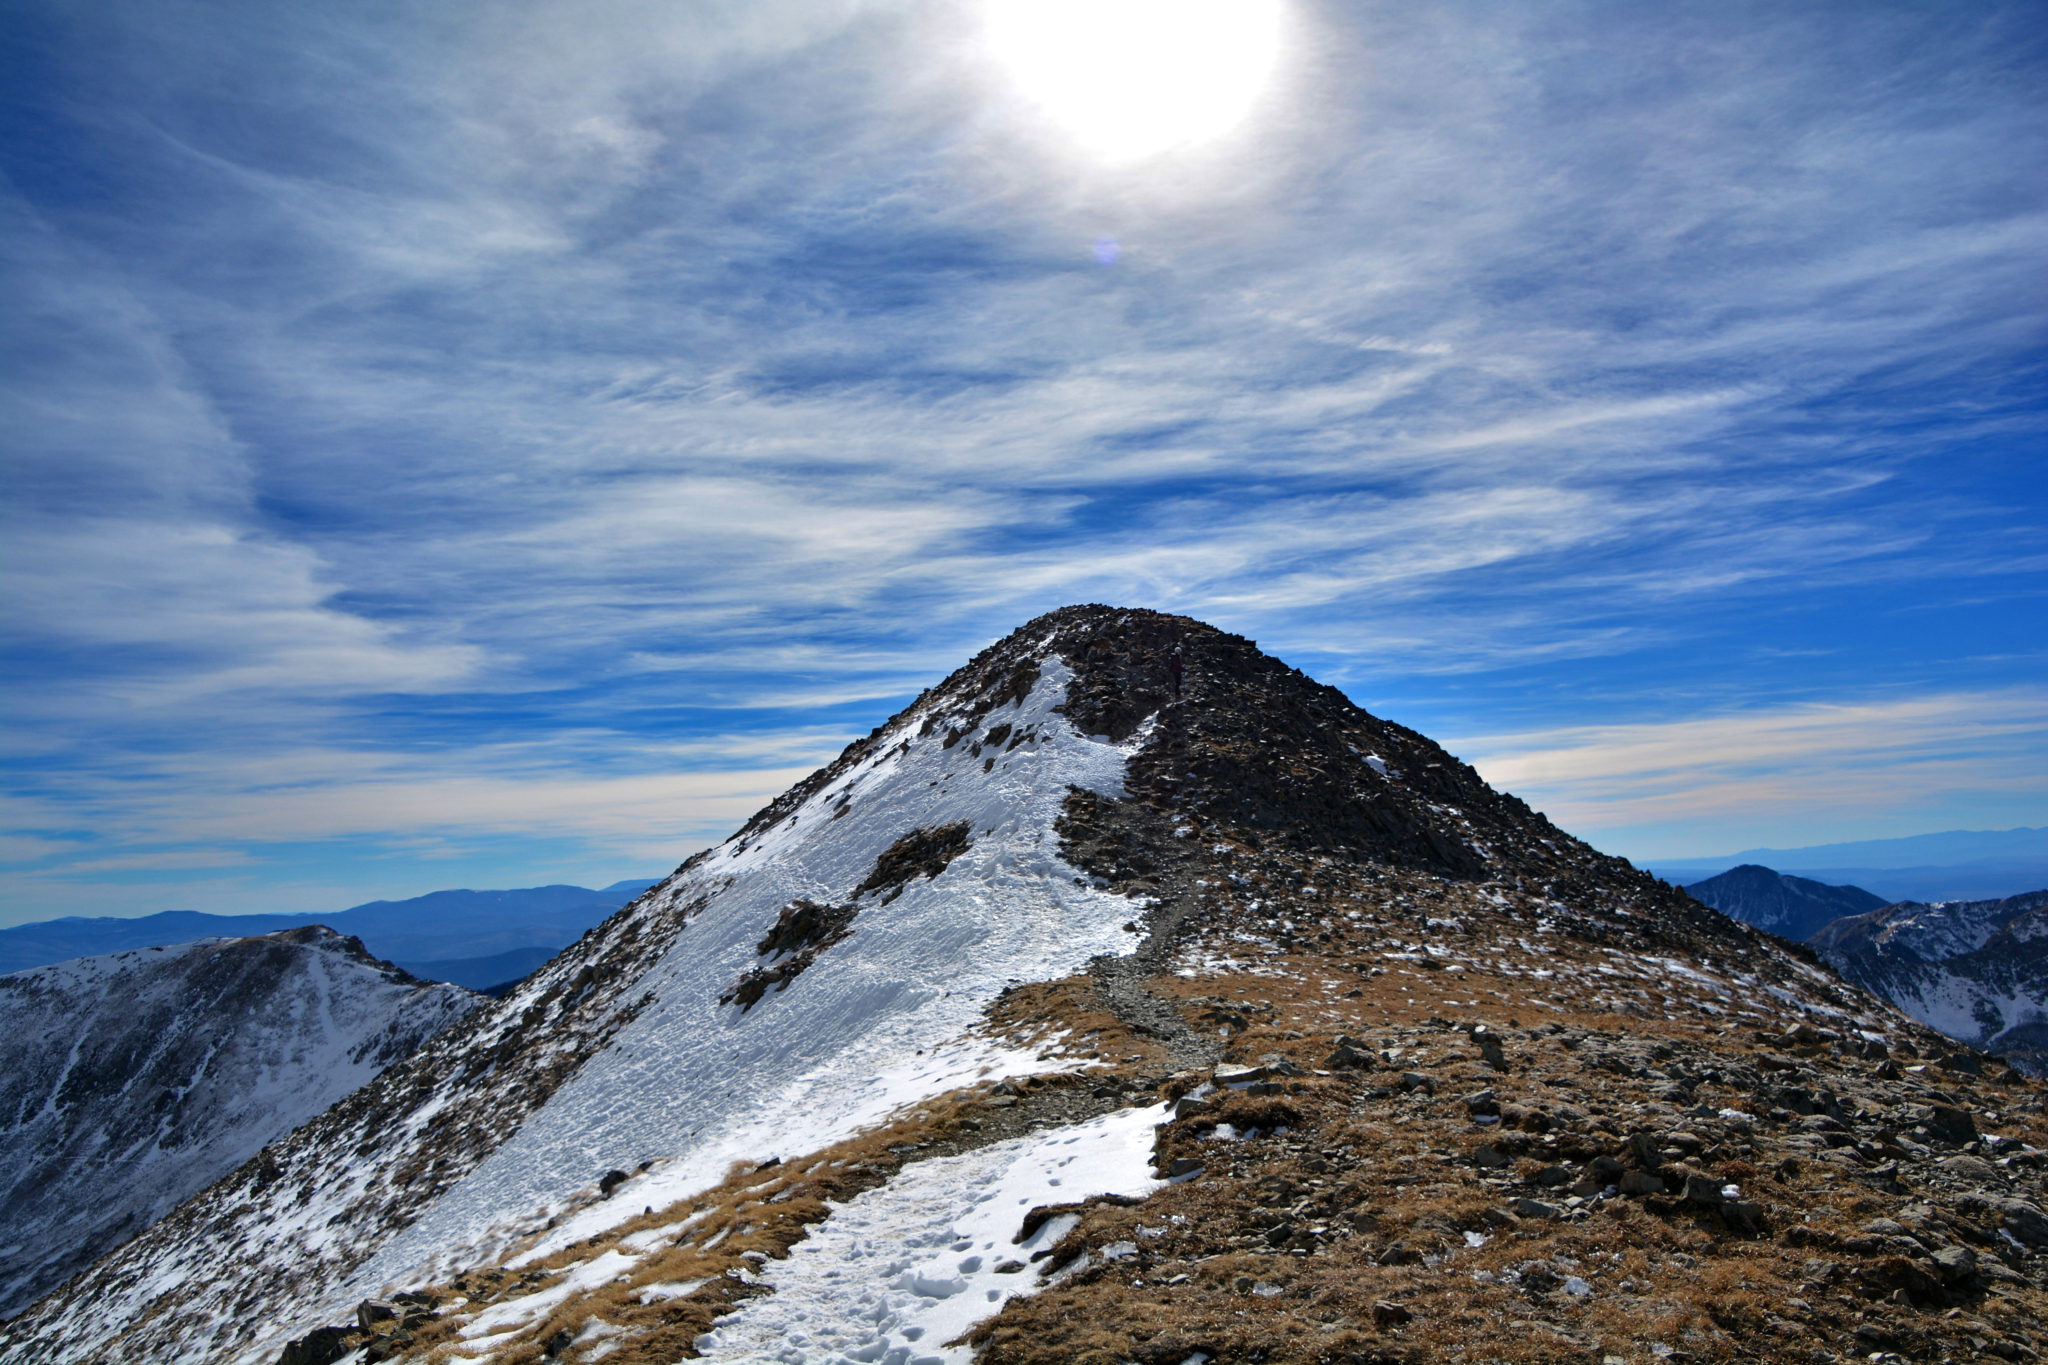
(321, 1346)
(1955, 1264)
(370, 1313)
(1952, 1124)
(920, 853)
(1899, 1274)
(2024, 1221)
(1641, 1182)
(1388, 1314)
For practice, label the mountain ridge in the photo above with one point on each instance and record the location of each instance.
(1285, 936)
(1791, 907)
(1976, 970)
(131, 1080)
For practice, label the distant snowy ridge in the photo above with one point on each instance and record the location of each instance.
(1976, 970)
(130, 1081)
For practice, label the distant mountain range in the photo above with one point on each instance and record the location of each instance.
(477, 939)
(1791, 907)
(1975, 969)
(1955, 865)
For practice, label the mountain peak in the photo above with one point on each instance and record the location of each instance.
(1057, 904)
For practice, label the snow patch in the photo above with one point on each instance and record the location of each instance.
(899, 1270)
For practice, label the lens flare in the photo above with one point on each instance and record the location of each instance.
(1130, 79)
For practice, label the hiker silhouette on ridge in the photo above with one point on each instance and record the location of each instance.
(1175, 667)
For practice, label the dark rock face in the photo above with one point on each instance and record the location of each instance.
(1260, 750)
(803, 930)
(1976, 970)
(1792, 907)
(920, 853)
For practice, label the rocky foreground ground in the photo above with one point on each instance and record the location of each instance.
(1433, 1123)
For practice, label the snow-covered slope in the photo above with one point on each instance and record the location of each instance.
(1976, 970)
(130, 1081)
(1791, 907)
(624, 1049)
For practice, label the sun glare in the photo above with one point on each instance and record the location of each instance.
(1133, 78)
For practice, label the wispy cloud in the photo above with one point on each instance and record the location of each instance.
(1743, 774)
(617, 384)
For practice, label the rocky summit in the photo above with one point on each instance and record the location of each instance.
(1084, 1012)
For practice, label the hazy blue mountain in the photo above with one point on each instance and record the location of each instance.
(1954, 865)
(442, 927)
(1794, 907)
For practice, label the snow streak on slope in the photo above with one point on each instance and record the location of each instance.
(901, 1270)
(878, 1021)
(129, 1081)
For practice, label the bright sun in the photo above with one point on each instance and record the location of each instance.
(1133, 78)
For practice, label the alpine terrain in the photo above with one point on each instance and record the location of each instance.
(1976, 970)
(1791, 907)
(130, 1081)
(1068, 1018)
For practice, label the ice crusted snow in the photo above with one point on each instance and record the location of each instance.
(881, 1019)
(899, 1271)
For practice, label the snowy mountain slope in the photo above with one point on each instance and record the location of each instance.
(1791, 907)
(132, 1080)
(620, 1052)
(616, 1161)
(1976, 970)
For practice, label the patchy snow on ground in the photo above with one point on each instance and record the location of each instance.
(581, 1279)
(900, 1270)
(880, 1020)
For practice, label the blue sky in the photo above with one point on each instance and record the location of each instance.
(492, 444)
